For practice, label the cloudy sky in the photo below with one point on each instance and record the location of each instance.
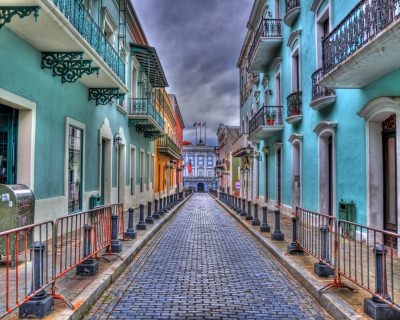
(198, 42)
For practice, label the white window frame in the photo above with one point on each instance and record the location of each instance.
(132, 169)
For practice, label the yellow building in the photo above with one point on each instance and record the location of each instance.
(167, 152)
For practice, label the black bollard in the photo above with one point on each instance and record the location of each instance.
(116, 245)
(149, 218)
(141, 225)
(277, 234)
(156, 215)
(41, 304)
(265, 227)
(238, 202)
(89, 267)
(375, 307)
(165, 208)
(256, 221)
(130, 231)
(321, 268)
(243, 212)
(161, 210)
(249, 215)
(294, 247)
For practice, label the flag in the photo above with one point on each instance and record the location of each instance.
(190, 169)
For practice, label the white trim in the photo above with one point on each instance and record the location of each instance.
(69, 122)
(374, 112)
(26, 136)
(132, 176)
(296, 140)
(106, 134)
(278, 146)
(323, 130)
(325, 14)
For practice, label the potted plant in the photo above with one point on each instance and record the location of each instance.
(271, 119)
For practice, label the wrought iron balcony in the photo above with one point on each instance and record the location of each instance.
(266, 122)
(321, 96)
(80, 18)
(168, 147)
(65, 26)
(292, 11)
(294, 105)
(364, 46)
(266, 40)
(144, 116)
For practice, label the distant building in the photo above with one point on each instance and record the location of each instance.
(202, 159)
(227, 167)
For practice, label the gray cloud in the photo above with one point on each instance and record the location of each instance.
(198, 42)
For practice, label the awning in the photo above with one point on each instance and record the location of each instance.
(150, 63)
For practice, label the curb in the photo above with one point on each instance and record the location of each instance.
(84, 301)
(335, 306)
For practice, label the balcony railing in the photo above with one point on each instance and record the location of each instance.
(269, 28)
(80, 18)
(167, 142)
(267, 116)
(358, 28)
(294, 104)
(319, 92)
(292, 4)
(143, 107)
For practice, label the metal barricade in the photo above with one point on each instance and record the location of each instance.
(316, 235)
(69, 231)
(22, 277)
(366, 257)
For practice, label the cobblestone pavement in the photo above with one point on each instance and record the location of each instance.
(203, 265)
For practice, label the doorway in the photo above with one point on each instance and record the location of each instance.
(200, 187)
(389, 175)
(105, 171)
(8, 144)
(278, 176)
(296, 175)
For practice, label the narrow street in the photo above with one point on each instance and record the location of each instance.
(203, 265)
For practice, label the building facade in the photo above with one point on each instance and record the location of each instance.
(202, 159)
(180, 125)
(227, 167)
(319, 107)
(79, 103)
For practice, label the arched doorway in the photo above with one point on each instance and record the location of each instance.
(296, 141)
(382, 116)
(200, 187)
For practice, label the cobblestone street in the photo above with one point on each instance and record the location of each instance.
(203, 265)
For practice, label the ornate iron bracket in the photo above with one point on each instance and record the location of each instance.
(7, 12)
(70, 66)
(104, 96)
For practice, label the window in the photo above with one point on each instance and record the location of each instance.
(88, 5)
(210, 162)
(278, 95)
(201, 173)
(148, 171)
(295, 71)
(134, 82)
(200, 161)
(152, 170)
(321, 31)
(191, 160)
(109, 26)
(75, 144)
(133, 171)
(277, 9)
(142, 169)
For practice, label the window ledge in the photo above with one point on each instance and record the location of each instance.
(122, 109)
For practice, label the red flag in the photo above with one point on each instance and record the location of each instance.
(190, 169)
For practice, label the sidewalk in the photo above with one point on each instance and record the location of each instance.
(340, 303)
(83, 291)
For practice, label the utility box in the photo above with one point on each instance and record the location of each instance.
(347, 212)
(94, 201)
(17, 209)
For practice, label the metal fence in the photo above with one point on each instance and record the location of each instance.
(23, 246)
(37, 255)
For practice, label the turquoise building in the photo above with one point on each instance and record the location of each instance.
(78, 91)
(319, 107)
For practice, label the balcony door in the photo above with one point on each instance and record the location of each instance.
(389, 175)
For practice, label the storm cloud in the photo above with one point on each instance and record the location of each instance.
(199, 42)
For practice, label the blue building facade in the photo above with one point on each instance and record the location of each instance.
(79, 90)
(319, 107)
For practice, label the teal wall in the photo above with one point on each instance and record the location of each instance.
(22, 75)
(350, 130)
